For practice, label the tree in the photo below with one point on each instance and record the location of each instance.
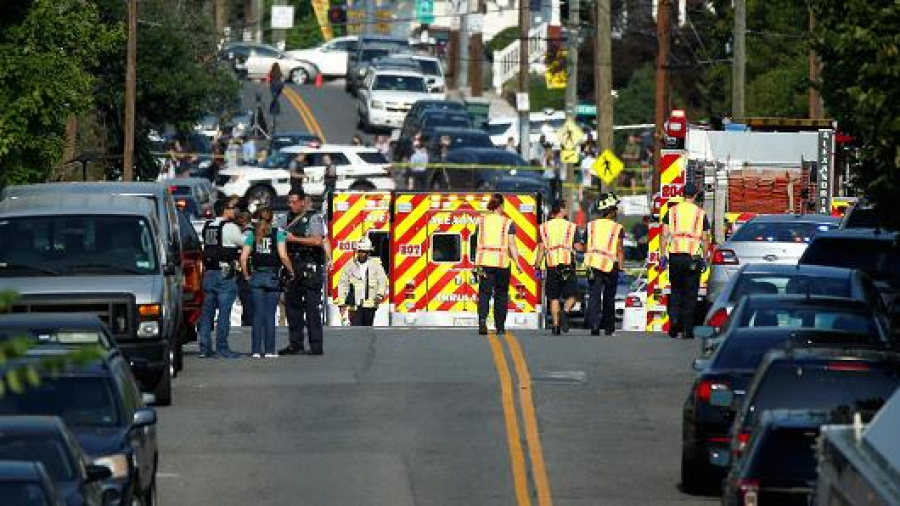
(49, 49)
(859, 46)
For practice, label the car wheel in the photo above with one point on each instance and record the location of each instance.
(693, 474)
(362, 185)
(263, 196)
(299, 76)
(163, 390)
(150, 498)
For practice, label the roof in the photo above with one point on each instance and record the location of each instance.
(806, 218)
(20, 471)
(111, 187)
(799, 269)
(859, 233)
(54, 204)
(29, 424)
(70, 321)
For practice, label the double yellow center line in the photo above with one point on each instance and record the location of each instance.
(312, 126)
(541, 485)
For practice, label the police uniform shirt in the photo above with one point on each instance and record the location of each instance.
(316, 224)
(232, 237)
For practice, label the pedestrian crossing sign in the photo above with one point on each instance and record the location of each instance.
(608, 167)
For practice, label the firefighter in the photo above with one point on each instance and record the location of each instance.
(604, 259)
(222, 243)
(362, 285)
(496, 249)
(685, 240)
(557, 246)
(309, 251)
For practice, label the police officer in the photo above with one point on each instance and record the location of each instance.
(309, 252)
(604, 259)
(685, 240)
(496, 247)
(557, 246)
(222, 242)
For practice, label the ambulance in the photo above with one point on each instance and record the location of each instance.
(427, 244)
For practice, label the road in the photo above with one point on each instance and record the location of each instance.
(408, 416)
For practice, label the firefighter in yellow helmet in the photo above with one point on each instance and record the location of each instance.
(604, 258)
(496, 251)
(558, 240)
(685, 241)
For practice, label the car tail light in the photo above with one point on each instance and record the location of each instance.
(847, 366)
(723, 256)
(181, 203)
(741, 443)
(633, 301)
(718, 319)
(748, 492)
(706, 387)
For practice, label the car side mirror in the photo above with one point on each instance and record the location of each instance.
(143, 417)
(97, 473)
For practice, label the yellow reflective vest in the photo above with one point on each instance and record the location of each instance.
(493, 241)
(558, 235)
(603, 244)
(686, 228)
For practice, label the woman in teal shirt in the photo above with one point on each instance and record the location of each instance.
(264, 253)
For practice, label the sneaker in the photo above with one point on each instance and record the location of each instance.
(501, 331)
(482, 329)
(291, 350)
(256, 355)
(556, 331)
(595, 332)
(271, 355)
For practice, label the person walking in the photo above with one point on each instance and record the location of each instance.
(495, 253)
(604, 258)
(685, 241)
(557, 245)
(309, 252)
(222, 242)
(263, 254)
(418, 165)
(276, 86)
(362, 285)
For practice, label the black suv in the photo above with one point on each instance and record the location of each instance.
(46, 439)
(102, 405)
(838, 381)
(779, 466)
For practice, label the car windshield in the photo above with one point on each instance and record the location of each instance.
(43, 448)
(840, 387)
(372, 157)
(22, 492)
(879, 258)
(786, 454)
(494, 129)
(430, 67)
(367, 55)
(789, 283)
(76, 245)
(79, 401)
(278, 160)
(746, 352)
(399, 83)
(793, 232)
(784, 314)
(445, 120)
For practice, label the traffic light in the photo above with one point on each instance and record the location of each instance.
(337, 15)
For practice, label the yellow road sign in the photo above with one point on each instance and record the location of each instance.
(568, 156)
(569, 135)
(608, 167)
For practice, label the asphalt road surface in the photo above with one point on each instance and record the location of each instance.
(431, 417)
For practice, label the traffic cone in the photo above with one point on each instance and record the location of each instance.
(319, 80)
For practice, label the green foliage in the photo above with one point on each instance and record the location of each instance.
(46, 75)
(504, 38)
(634, 104)
(859, 45)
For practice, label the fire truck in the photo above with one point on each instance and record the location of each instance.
(427, 243)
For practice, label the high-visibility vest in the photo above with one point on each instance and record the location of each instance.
(493, 241)
(602, 244)
(558, 235)
(685, 228)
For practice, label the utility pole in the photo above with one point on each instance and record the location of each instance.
(740, 60)
(662, 78)
(572, 90)
(130, 82)
(524, 77)
(462, 82)
(603, 76)
(476, 55)
(815, 100)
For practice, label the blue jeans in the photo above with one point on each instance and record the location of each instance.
(218, 294)
(265, 294)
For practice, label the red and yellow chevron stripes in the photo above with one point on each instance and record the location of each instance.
(409, 237)
(353, 215)
(839, 205)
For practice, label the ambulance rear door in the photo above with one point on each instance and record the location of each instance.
(452, 287)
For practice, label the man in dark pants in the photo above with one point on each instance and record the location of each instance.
(495, 253)
(604, 257)
(309, 251)
(685, 241)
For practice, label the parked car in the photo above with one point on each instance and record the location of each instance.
(767, 238)
(47, 440)
(329, 57)
(839, 381)
(102, 254)
(862, 214)
(456, 138)
(463, 171)
(192, 286)
(413, 124)
(60, 329)
(197, 194)
(546, 123)
(253, 60)
(385, 96)
(27, 483)
(786, 279)
(358, 168)
(100, 403)
(284, 139)
(779, 466)
(429, 66)
(358, 62)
